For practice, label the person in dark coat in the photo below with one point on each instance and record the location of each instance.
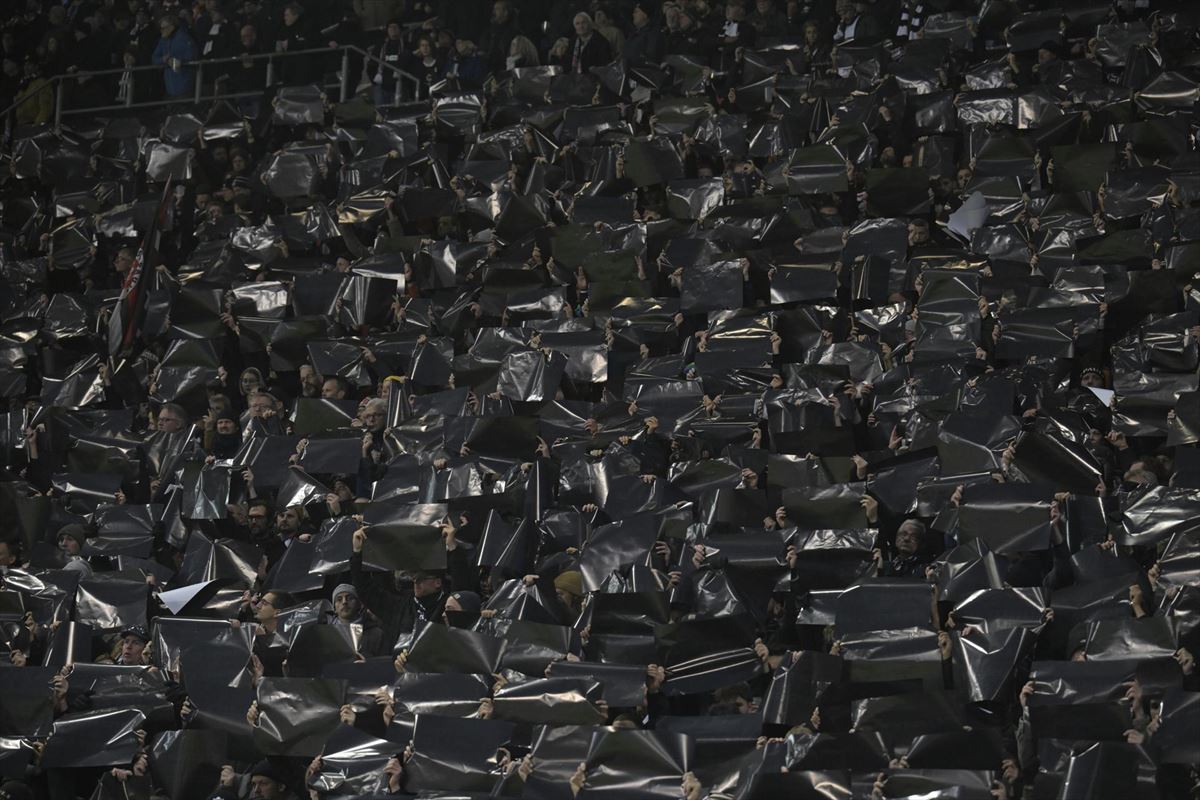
(499, 35)
(292, 37)
(348, 610)
(393, 53)
(645, 43)
(220, 36)
(175, 49)
(402, 605)
(588, 48)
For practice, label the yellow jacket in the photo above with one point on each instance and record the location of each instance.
(39, 109)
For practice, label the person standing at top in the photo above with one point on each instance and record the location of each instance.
(174, 51)
(588, 49)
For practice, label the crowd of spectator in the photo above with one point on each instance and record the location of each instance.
(742, 400)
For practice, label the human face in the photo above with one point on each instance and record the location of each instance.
(373, 419)
(429, 585)
(907, 539)
(582, 26)
(249, 382)
(264, 608)
(309, 378)
(346, 606)
(1091, 379)
(68, 545)
(226, 427)
(170, 422)
(263, 788)
(123, 261)
(287, 521)
(258, 519)
(131, 650)
(393, 32)
(330, 390)
(248, 36)
(260, 404)
(500, 13)
(166, 29)
(289, 17)
(424, 48)
(639, 17)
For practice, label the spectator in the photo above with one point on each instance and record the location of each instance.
(559, 53)
(36, 97)
(10, 82)
(561, 22)
(133, 34)
(348, 611)
(425, 65)
(735, 34)
(588, 49)
(467, 65)
(248, 74)
(854, 26)
(606, 26)
(53, 56)
(292, 37)
(521, 53)
(767, 20)
(645, 43)
(499, 35)
(217, 39)
(174, 51)
(391, 53)
(691, 37)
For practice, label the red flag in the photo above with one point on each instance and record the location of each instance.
(126, 317)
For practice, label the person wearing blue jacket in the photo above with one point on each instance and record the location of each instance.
(174, 50)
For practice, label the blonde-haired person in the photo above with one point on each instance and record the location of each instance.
(522, 53)
(559, 55)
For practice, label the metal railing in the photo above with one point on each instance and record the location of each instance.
(345, 86)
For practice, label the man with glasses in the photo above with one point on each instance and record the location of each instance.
(374, 454)
(263, 416)
(258, 520)
(175, 50)
(172, 418)
(265, 608)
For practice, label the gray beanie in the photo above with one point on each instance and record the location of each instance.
(342, 588)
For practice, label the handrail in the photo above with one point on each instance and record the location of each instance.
(55, 82)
